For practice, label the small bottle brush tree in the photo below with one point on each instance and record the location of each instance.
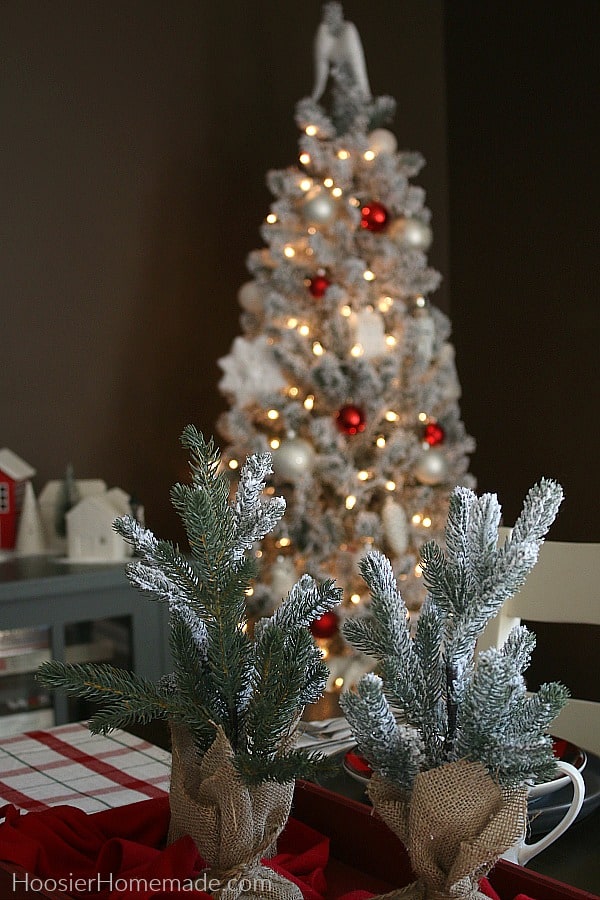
(233, 700)
(440, 718)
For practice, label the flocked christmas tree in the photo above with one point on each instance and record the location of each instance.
(452, 736)
(345, 370)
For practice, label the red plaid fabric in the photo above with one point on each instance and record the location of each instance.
(70, 765)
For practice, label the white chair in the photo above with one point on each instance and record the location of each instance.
(564, 586)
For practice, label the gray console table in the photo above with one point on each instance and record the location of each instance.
(43, 592)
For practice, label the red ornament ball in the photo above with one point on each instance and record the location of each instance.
(374, 216)
(326, 626)
(351, 419)
(318, 285)
(433, 434)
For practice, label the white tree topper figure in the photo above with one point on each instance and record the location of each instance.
(337, 43)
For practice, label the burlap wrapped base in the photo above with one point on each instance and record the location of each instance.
(455, 825)
(232, 825)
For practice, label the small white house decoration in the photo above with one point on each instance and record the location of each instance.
(90, 533)
(48, 502)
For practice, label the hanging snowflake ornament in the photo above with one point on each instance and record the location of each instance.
(251, 373)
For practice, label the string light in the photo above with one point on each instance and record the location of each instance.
(385, 304)
(368, 275)
(306, 184)
(363, 475)
(249, 591)
(355, 598)
(345, 311)
(271, 218)
(343, 154)
(273, 414)
(274, 444)
(418, 570)
(417, 519)
(390, 485)
(270, 490)
(317, 349)
(426, 522)
(339, 681)
(311, 130)
(324, 652)
(391, 416)
(380, 441)
(309, 402)
(293, 391)
(328, 182)
(283, 542)
(350, 501)
(369, 155)
(312, 229)
(289, 251)
(233, 464)
(258, 554)
(304, 158)
(420, 301)
(423, 417)
(337, 192)
(354, 201)
(390, 340)
(357, 350)
(304, 330)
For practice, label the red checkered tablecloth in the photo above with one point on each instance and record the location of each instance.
(68, 764)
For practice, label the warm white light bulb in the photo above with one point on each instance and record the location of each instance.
(357, 350)
(426, 522)
(350, 501)
(420, 302)
(293, 391)
(368, 275)
(317, 349)
(273, 414)
(306, 184)
(328, 182)
(385, 304)
(423, 417)
(363, 475)
(390, 485)
(274, 444)
(339, 681)
(289, 251)
(337, 192)
(416, 519)
(304, 330)
(309, 402)
(390, 340)
(369, 155)
(233, 464)
(345, 311)
(311, 130)
(355, 598)
(343, 154)
(391, 416)
(380, 441)
(291, 323)
(271, 218)
(304, 158)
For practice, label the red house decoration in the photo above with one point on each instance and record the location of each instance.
(14, 475)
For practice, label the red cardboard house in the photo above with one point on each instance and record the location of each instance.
(14, 475)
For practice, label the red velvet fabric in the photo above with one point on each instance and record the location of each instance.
(109, 850)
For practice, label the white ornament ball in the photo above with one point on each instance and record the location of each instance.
(431, 468)
(382, 141)
(411, 233)
(293, 459)
(319, 208)
(249, 296)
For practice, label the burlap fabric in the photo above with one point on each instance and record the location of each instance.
(455, 824)
(232, 825)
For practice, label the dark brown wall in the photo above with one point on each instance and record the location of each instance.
(523, 125)
(137, 136)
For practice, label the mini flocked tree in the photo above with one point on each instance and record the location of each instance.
(345, 368)
(233, 700)
(441, 718)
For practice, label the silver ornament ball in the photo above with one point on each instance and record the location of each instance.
(319, 208)
(293, 459)
(411, 233)
(431, 467)
(249, 296)
(382, 141)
